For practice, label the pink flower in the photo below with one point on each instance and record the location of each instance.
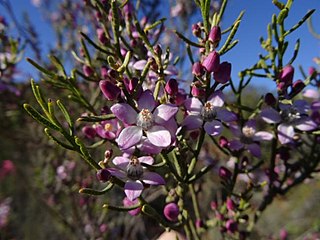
(108, 129)
(209, 115)
(150, 120)
(248, 137)
(133, 173)
(212, 62)
(289, 117)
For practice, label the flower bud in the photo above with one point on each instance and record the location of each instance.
(311, 70)
(212, 62)
(180, 97)
(87, 70)
(103, 175)
(223, 142)
(89, 132)
(172, 86)
(230, 204)
(283, 234)
(196, 30)
(171, 212)
(109, 89)
(214, 205)
(127, 203)
(231, 226)
(286, 75)
(199, 223)
(297, 87)
(215, 35)
(197, 90)
(104, 72)
(102, 36)
(270, 99)
(223, 75)
(197, 69)
(225, 173)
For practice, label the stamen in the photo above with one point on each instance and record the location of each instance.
(208, 113)
(145, 119)
(134, 169)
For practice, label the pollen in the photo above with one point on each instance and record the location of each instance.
(108, 127)
(145, 119)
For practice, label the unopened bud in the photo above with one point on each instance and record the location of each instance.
(225, 173)
(270, 99)
(103, 175)
(171, 212)
(172, 86)
(286, 75)
(215, 35)
(109, 89)
(212, 62)
(87, 70)
(197, 69)
(223, 75)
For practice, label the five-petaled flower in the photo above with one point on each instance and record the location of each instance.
(248, 138)
(133, 173)
(209, 115)
(290, 116)
(150, 120)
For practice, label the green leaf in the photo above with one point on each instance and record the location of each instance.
(86, 155)
(65, 113)
(96, 118)
(41, 119)
(90, 191)
(154, 24)
(40, 68)
(46, 130)
(186, 40)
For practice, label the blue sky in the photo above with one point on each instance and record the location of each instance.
(257, 15)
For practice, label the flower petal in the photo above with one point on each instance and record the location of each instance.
(285, 133)
(129, 136)
(192, 122)
(146, 147)
(133, 189)
(311, 93)
(121, 162)
(270, 115)
(213, 128)
(117, 173)
(302, 106)
(153, 178)
(139, 65)
(306, 124)
(124, 112)
(225, 115)
(262, 135)
(164, 112)
(146, 101)
(193, 105)
(254, 149)
(146, 159)
(216, 98)
(159, 136)
(235, 145)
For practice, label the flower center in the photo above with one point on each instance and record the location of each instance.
(134, 169)
(208, 113)
(108, 127)
(247, 134)
(145, 119)
(290, 115)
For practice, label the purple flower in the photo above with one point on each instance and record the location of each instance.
(248, 138)
(289, 117)
(150, 120)
(108, 129)
(131, 170)
(209, 115)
